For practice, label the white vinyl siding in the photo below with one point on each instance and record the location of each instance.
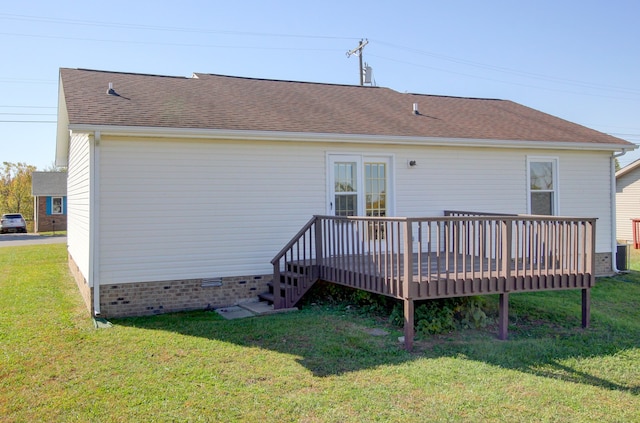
(627, 204)
(495, 180)
(178, 209)
(78, 194)
(485, 180)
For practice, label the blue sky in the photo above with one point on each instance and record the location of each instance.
(576, 59)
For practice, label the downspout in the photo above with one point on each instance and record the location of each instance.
(614, 239)
(94, 216)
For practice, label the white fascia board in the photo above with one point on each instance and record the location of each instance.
(156, 132)
(62, 130)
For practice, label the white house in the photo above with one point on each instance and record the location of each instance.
(628, 203)
(182, 190)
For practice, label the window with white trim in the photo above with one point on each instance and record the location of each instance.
(56, 205)
(542, 178)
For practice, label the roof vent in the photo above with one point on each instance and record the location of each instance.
(415, 109)
(111, 91)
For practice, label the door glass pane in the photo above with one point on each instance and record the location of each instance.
(375, 197)
(375, 189)
(346, 205)
(345, 177)
(345, 188)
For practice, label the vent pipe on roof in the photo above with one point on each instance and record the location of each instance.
(415, 109)
(111, 91)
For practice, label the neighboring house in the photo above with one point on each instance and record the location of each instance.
(628, 203)
(49, 190)
(182, 190)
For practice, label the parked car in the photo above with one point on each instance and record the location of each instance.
(13, 222)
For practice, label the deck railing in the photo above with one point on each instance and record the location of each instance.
(419, 257)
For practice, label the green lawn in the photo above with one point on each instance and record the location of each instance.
(317, 365)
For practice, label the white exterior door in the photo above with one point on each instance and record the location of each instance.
(359, 186)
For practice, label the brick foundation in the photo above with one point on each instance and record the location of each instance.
(148, 298)
(604, 264)
(83, 286)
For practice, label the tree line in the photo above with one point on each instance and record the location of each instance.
(15, 188)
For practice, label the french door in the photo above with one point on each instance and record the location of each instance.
(359, 185)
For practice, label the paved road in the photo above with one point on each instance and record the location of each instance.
(14, 240)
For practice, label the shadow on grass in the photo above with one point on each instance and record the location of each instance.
(545, 335)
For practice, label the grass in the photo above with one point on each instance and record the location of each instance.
(321, 364)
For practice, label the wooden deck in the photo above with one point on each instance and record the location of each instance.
(460, 254)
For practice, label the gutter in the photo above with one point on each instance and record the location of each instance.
(244, 135)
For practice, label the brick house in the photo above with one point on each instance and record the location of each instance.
(49, 190)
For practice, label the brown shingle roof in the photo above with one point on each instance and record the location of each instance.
(232, 103)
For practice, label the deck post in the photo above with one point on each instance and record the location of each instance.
(503, 316)
(409, 288)
(318, 246)
(586, 307)
(507, 254)
(409, 322)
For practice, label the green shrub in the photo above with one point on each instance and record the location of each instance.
(444, 315)
(431, 316)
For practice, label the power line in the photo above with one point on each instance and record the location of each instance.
(502, 81)
(28, 81)
(516, 72)
(95, 40)
(30, 107)
(162, 28)
(28, 114)
(28, 121)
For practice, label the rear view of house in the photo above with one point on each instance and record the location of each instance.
(181, 191)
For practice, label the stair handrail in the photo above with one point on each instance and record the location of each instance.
(287, 301)
(293, 240)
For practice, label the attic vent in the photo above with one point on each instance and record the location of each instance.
(111, 91)
(415, 109)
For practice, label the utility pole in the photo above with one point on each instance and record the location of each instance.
(358, 51)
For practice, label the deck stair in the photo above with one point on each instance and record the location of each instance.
(294, 283)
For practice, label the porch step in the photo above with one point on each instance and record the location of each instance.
(260, 308)
(269, 295)
(266, 297)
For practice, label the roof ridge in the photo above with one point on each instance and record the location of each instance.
(195, 74)
(456, 97)
(128, 73)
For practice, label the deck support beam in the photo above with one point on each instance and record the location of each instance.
(503, 316)
(409, 323)
(586, 307)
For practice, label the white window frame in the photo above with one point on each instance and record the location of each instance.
(555, 166)
(360, 159)
(61, 206)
